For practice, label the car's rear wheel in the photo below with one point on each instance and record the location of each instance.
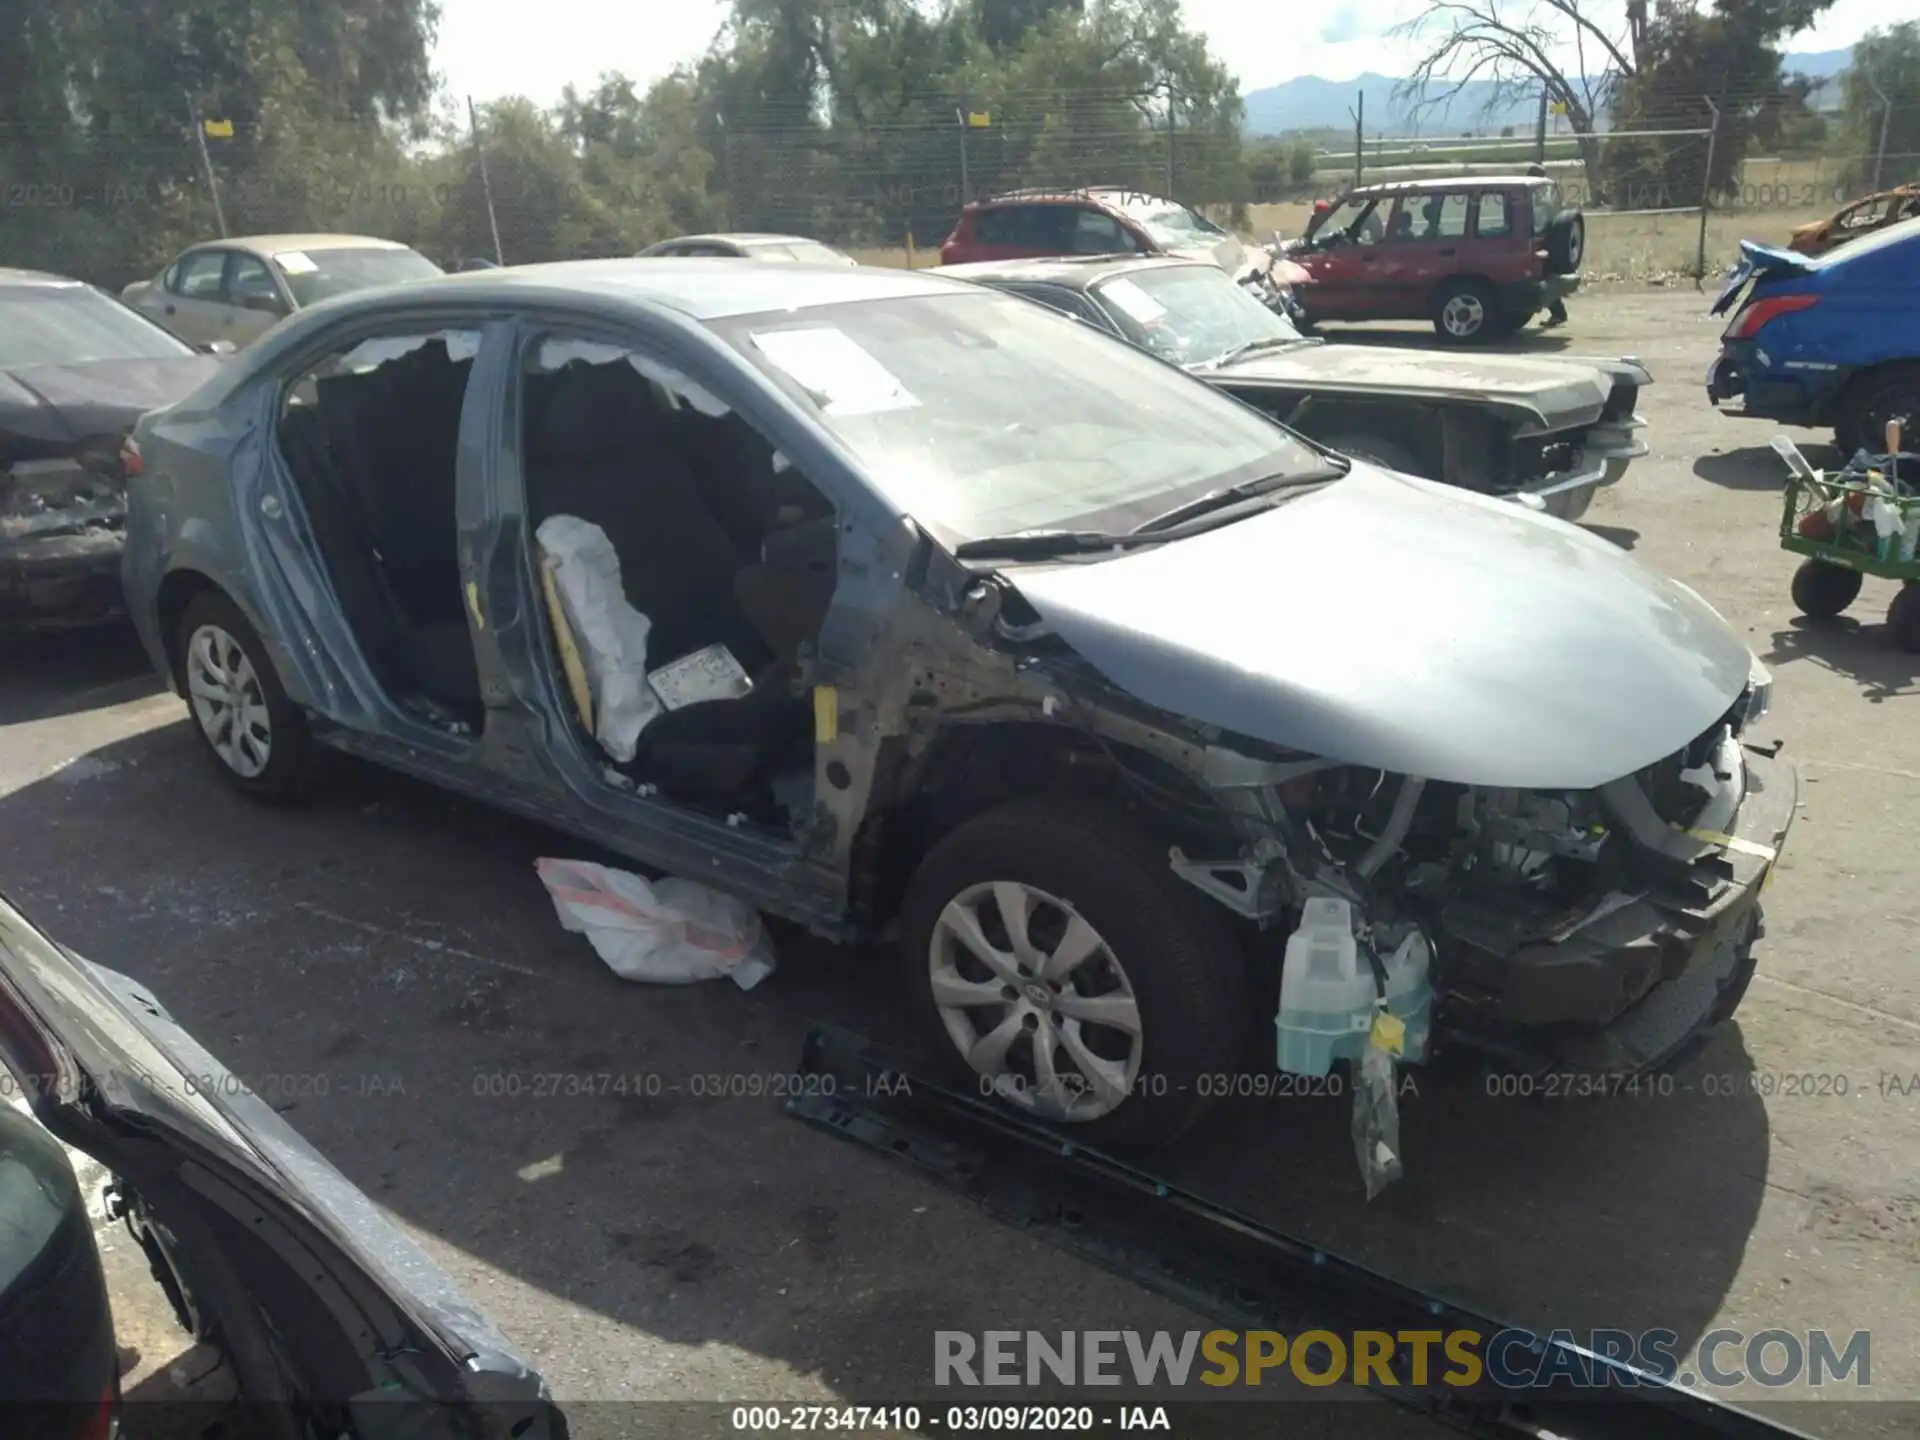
(1903, 618)
(1871, 401)
(257, 736)
(1059, 965)
(1466, 312)
(1821, 591)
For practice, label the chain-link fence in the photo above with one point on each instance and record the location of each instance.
(1660, 196)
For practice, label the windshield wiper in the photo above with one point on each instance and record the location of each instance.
(1248, 347)
(1038, 544)
(1234, 494)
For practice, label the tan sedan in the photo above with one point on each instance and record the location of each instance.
(239, 288)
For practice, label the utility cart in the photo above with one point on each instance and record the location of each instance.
(1851, 523)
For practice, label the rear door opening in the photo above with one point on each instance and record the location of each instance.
(370, 436)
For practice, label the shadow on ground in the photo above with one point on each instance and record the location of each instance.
(1756, 467)
(1862, 650)
(46, 676)
(1620, 535)
(622, 1147)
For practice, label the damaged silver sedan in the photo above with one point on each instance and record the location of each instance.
(933, 615)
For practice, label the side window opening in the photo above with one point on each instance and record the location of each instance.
(198, 276)
(1492, 218)
(369, 436)
(1434, 217)
(649, 497)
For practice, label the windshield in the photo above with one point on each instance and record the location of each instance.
(316, 275)
(1189, 314)
(984, 414)
(1175, 227)
(805, 252)
(76, 325)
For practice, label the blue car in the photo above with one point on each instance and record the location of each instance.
(1832, 340)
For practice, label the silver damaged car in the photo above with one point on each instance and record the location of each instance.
(1071, 672)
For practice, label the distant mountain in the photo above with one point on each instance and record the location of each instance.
(1311, 103)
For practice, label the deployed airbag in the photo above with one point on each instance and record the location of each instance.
(609, 634)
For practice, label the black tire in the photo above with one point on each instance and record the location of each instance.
(1388, 454)
(1566, 243)
(1467, 312)
(1821, 591)
(1903, 618)
(291, 755)
(1187, 976)
(1889, 393)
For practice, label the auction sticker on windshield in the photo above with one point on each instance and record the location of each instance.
(1132, 299)
(830, 365)
(296, 262)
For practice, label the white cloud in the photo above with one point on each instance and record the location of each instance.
(489, 48)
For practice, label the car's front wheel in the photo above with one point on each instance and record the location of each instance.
(256, 735)
(1466, 312)
(1062, 967)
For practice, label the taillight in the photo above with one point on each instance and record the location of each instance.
(130, 462)
(103, 1421)
(1757, 313)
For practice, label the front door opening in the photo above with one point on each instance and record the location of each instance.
(723, 547)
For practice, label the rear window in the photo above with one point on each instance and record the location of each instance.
(1493, 218)
(75, 325)
(316, 275)
(1031, 227)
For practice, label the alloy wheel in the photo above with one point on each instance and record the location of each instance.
(1464, 315)
(1035, 1001)
(228, 701)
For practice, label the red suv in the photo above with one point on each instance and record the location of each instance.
(1477, 256)
(1104, 220)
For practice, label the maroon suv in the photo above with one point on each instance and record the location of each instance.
(1478, 256)
(1102, 220)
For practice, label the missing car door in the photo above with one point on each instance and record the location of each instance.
(370, 435)
(685, 569)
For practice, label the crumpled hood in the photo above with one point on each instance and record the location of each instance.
(61, 404)
(1396, 623)
(1559, 393)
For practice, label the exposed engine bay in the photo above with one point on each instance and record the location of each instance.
(1551, 912)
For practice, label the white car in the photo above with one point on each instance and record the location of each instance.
(239, 288)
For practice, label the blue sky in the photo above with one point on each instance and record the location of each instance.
(489, 48)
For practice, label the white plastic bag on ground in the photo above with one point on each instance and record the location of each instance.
(610, 633)
(669, 932)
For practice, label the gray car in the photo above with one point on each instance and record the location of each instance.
(1075, 674)
(1556, 429)
(749, 245)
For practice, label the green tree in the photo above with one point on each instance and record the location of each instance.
(1886, 63)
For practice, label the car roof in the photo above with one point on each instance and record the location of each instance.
(12, 276)
(699, 287)
(274, 244)
(1445, 182)
(1076, 272)
(742, 237)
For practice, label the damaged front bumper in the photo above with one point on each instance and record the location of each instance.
(62, 531)
(68, 577)
(1623, 987)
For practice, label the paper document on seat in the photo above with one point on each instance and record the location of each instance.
(709, 674)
